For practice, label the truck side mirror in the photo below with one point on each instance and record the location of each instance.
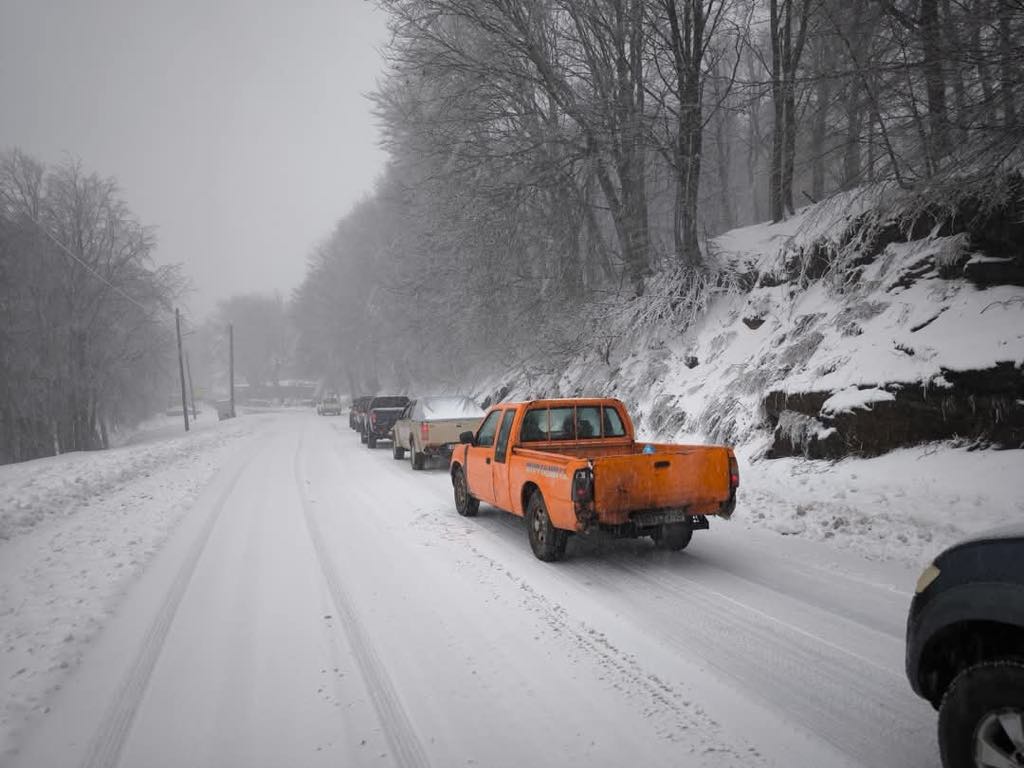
(466, 438)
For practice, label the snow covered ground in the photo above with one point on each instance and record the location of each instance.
(274, 593)
(76, 532)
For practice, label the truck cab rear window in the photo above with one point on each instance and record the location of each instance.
(567, 423)
(613, 424)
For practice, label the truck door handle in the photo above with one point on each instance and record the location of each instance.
(661, 464)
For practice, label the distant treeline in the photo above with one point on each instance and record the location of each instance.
(86, 319)
(553, 157)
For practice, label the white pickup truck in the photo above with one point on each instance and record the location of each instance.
(430, 426)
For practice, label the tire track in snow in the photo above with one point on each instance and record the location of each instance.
(398, 730)
(108, 743)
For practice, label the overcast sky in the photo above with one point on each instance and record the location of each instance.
(237, 127)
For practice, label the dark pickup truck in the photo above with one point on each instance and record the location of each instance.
(381, 414)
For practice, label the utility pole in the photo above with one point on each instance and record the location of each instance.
(191, 391)
(231, 365)
(181, 367)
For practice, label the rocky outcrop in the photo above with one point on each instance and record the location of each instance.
(984, 407)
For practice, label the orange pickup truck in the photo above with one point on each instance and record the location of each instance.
(573, 465)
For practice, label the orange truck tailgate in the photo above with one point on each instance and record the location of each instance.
(674, 477)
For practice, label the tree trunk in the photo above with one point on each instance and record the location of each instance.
(775, 197)
(935, 81)
(1008, 78)
(819, 132)
(690, 140)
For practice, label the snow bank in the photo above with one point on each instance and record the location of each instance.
(75, 532)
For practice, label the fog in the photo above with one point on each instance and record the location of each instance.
(238, 129)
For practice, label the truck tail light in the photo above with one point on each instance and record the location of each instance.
(583, 486)
(425, 432)
(734, 473)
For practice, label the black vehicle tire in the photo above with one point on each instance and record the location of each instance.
(976, 705)
(397, 451)
(673, 536)
(465, 504)
(416, 459)
(371, 441)
(546, 541)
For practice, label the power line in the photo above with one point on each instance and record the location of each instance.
(89, 269)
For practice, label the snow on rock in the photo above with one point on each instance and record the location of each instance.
(850, 398)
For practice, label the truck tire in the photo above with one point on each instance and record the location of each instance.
(465, 504)
(673, 536)
(371, 441)
(546, 541)
(983, 709)
(397, 451)
(416, 458)
(362, 436)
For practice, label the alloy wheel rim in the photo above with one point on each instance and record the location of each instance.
(538, 524)
(460, 490)
(999, 740)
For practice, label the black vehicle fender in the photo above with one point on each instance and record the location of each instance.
(997, 602)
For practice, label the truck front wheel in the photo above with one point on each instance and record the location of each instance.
(673, 536)
(465, 504)
(546, 541)
(397, 451)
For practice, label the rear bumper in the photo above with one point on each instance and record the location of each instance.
(439, 449)
(640, 523)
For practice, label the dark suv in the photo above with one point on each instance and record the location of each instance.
(965, 649)
(381, 414)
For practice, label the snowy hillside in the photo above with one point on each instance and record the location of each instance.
(854, 329)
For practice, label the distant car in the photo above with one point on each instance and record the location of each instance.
(430, 426)
(380, 416)
(965, 649)
(330, 405)
(357, 412)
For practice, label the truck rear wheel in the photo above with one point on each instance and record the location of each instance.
(397, 451)
(415, 458)
(546, 541)
(673, 536)
(465, 504)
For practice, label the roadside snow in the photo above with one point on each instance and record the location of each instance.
(75, 532)
(907, 505)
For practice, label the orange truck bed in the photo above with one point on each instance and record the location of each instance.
(572, 465)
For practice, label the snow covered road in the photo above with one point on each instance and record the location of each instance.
(322, 604)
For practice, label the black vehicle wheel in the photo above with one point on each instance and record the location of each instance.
(673, 536)
(981, 721)
(546, 541)
(371, 441)
(397, 452)
(465, 504)
(362, 436)
(415, 458)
